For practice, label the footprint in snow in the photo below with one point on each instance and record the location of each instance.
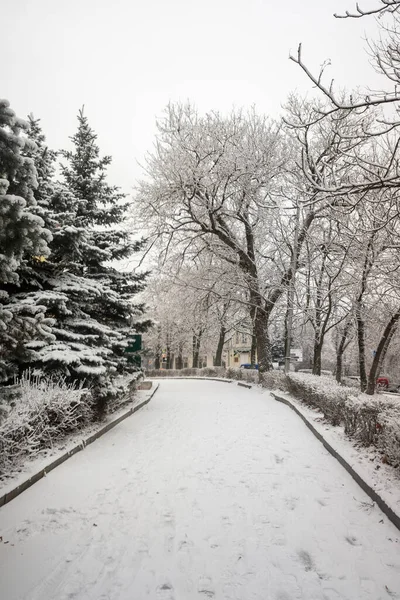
(278, 459)
(353, 541)
(291, 502)
(306, 560)
(168, 518)
(226, 521)
(165, 591)
(205, 587)
(185, 545)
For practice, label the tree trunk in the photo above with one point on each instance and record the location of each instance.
(286, 342)
(168, 365)
(340, 351)
(220, 347)
(158, 351)
(368, 262)
(196, 349)
(317, 357)
(253, 348)
(261, 323)
(339, 366)
(381, 352)
(179, 358)
(361, 350)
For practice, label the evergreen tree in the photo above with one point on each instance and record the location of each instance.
(22, 236)
(90, 300)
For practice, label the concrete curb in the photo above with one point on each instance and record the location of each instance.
(199, 378)
(81, 446)
(375, 497)
(238, 382)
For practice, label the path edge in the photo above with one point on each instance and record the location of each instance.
(375, 497)
(22, 487)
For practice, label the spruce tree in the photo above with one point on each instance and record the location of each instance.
(23, 237)
(90, 301)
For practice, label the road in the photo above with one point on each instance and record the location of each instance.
(210, 491)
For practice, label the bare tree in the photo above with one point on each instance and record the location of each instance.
(208, 184)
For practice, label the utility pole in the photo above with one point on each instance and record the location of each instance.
(289, 325)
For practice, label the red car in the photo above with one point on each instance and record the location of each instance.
(382, 382)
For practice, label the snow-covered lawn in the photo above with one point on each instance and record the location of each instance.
(210, 491)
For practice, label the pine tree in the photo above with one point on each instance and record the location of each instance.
(90, 301)
(22, 236)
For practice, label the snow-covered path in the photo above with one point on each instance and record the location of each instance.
(210, 491)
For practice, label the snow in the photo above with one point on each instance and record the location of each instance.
(210, 491)
(366, 461)
(36, 462)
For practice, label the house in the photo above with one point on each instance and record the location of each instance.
(237, 349)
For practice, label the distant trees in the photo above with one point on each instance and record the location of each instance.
(194, 313)
(363, 182)
(209, 188)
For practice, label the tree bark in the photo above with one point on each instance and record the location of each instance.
(220, 347)
(361, 351)
(359, 317)
(317, 357)
(261, 326)
(158, 352)
(253, 348)
(168, 364)
(286, 342)
(381, 352)
(179, 358)
(340, 351)
(196, 349)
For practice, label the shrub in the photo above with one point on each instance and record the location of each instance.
(111, 395)
(45, 412)
(274, 380)
(220, 372)
(371, 420)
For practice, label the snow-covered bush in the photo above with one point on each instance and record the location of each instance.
(388, 430)
(274, 380)
(111, 395)
(319, 392)
(369, 420)
(220, 372)
(43, 413)
(232, 373)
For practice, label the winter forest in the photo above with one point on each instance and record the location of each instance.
(283, 232)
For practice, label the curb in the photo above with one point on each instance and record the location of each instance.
(375, 497)
(238, 382)
(81, 446)
(199, 378)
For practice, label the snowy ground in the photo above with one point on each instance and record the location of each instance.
(210, 491)
(29, 467)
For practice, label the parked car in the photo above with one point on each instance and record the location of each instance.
(248, 366)
(384, 383)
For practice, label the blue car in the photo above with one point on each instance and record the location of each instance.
(248, 366)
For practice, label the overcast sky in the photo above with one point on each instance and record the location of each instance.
(126, 59)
